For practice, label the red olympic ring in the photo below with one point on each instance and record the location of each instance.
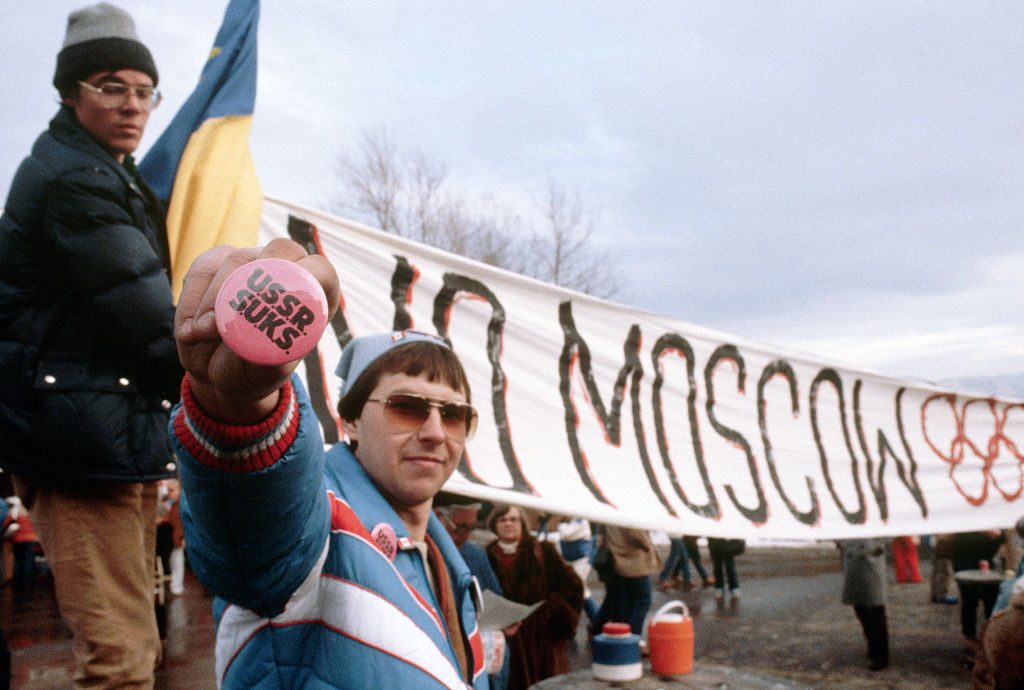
(961, 444)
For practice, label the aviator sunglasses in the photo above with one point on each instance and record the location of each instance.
(410, 411)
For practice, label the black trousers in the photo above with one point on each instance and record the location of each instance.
(970, 594)
(876, 630)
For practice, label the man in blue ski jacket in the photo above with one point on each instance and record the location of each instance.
(331, 569)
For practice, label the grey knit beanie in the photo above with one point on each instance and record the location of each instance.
(100, 37)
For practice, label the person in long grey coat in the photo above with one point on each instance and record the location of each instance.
(864, 588)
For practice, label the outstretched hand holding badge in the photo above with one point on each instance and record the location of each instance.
(244, 320)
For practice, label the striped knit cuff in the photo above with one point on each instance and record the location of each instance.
(236, 448)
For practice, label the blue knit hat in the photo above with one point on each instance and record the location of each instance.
(362, 352)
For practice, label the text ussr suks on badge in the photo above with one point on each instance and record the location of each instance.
(271, 311)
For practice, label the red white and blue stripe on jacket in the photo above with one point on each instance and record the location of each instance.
(279, 531)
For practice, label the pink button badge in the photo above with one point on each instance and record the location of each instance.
(271, 311)
(384, 536)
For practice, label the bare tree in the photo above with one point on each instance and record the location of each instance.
(403, 193)
(565, 247)
(371, 181)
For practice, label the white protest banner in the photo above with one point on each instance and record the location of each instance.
(594, 409)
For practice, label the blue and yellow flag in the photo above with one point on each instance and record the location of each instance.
(202, 161)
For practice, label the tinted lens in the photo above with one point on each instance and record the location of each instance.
(410, 408)
(453, 413)
(413, 410)
(460, 417)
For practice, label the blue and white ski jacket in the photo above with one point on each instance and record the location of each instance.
(281, 533)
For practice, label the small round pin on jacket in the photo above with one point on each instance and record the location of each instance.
(271, 311)
(384, 536)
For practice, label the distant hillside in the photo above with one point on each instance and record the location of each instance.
(1005, 386)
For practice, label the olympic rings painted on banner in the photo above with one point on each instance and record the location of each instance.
(961, 444)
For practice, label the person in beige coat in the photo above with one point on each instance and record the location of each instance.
(864, 588)
(628, 595)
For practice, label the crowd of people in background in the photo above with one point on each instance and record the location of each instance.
(530, 558)
(626, 561)
(987, 567)
(683, 550)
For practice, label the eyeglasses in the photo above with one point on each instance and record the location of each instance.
(113, 94)
(409, 411)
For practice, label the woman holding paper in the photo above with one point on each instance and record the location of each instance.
(531, 571)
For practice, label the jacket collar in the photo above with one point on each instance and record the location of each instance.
(365, 499)
(371, 507)
(65, 128)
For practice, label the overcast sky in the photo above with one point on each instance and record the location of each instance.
(845, 178)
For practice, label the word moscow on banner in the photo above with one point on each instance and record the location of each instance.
(594, 409)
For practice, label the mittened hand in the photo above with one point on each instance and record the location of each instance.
(269, 320)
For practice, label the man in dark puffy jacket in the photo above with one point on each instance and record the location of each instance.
(88, 368)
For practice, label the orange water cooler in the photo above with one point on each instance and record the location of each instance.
(670, 638)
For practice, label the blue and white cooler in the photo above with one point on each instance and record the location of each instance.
(616, 654)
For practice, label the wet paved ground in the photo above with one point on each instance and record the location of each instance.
(41, 644)
(789, 624)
